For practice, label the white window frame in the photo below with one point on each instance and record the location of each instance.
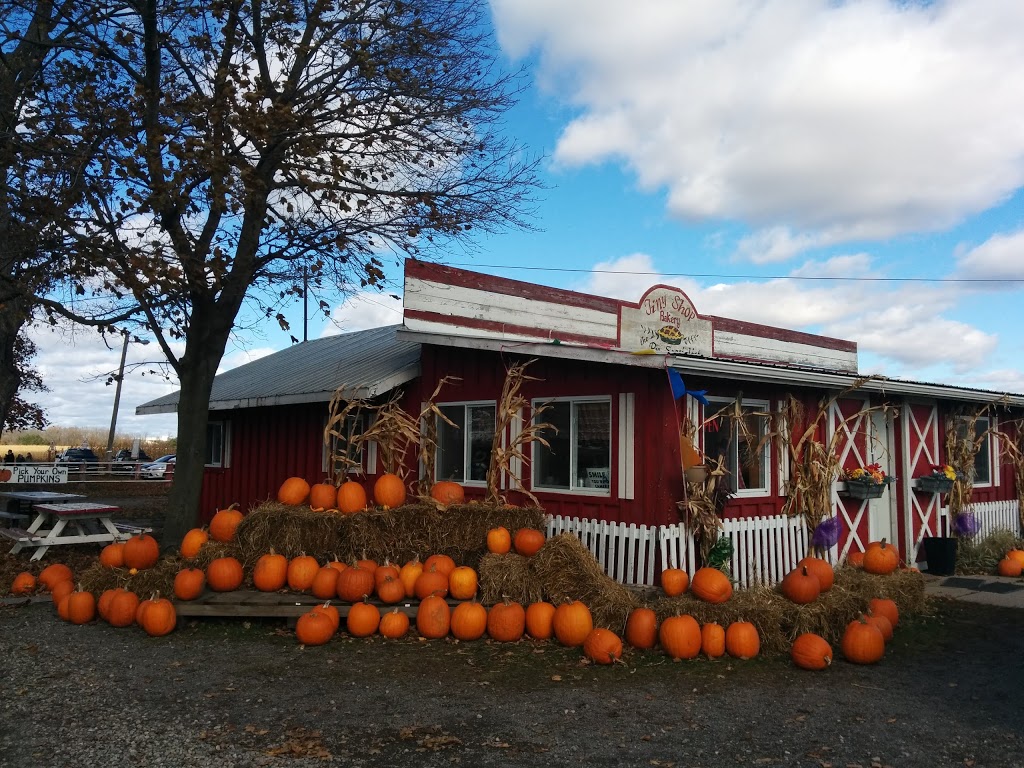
(990, 443)
(574, 487)
(225, 443)
(465, 404)
(762, 406)
(366, 458)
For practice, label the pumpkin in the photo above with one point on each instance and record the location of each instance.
(506, 622)
(193, 541)
(742, 640)
(225, 523)
(499, 540)
(270, 572)
(820, 568)
(363, 619)
(325, 583)
(642, 628)
(54, 574)
(394, 624)
(1008, 567)
(121, 609)
(712, 640)
(293, 491)
(351, 497)
(389, 491)
(390, 589)
(674, 581)
(881, 558)
(354, 584)
(572, 623)
(189, 583)
(528, 541)
(24, 584)
(801, 586)
(81, 607)
(323, 496)
(862, 642)
(301, 572)
(443, 563)
(462, 583)
(680, 636)
(387, 571)
(855, 559)
(883, 624)
(540, 618)
(62, 607)
(368, 565)
(103, 604)
(112, 555)
(141, 552)
(409, 573)
(61, 590)
(159, 617)
(811, 651)
(330, 612)
(711, 585)
(433, 617)
(338, 565)
(880, 606)
(447, 492)
(602, 646)
(314, 627)
(431, 582)
(469, 621)
(1018, 555)
(224, 574)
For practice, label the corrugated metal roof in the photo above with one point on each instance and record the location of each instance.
(371, 362)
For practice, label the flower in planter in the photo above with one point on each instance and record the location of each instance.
(945, 472)
(966, 525)
(872, 474)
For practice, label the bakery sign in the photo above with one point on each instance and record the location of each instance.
(665, 322)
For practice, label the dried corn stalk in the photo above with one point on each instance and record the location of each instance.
(962, 446)
(340, 439)
(428, 436)
(1011, 446)
(704, 503)
(510, 405)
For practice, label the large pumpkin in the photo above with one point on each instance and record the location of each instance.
(572, 623)
(389, 491)
(862, 642)
(122, 608)
(433, 617)
(225, 523)
(469, 621)
(810, 651)
(742, 640)
(293, 491)
(447, 492)
(363, 619)
(602, 646)
(193, 541)
(431, 582)
(81, 607)
(189, 583)
(1008, 567)
(394, 624)
(801, 586)
(159, 617)
(355, 584)
(881, 558)
(443, 563)
(540, 617)
(270, 572)
(314, 628)
(1018, 555)
(112, 555)
(506, 622)
(141, 552)
(527, 542)
(325, 583)
(323, 496)
(224, 574)
(351, 497)
(680, 637)
(711, 585)
(301, 572)
(642, 628)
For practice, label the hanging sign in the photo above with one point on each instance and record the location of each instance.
(36, 474)
(666, 322)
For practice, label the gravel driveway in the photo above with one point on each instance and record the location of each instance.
(950, 692)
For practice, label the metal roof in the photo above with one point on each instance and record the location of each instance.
(369, 362)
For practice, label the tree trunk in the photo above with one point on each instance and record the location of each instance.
(12, 318)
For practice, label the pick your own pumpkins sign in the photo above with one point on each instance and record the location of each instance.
(665, 321)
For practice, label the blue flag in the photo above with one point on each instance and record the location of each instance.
(675, 379)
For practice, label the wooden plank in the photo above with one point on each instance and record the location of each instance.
(19, 534)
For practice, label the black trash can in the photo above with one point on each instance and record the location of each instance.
(940, 552)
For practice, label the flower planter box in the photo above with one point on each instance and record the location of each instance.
(929, 484)
(856, 490)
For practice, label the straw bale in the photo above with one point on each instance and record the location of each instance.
(761, 606)
(145, 583)
(508, 576)
(905, 588)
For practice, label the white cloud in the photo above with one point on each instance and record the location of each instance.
(845, 120)
(848, 265)
(364, 310)
(1001, 257)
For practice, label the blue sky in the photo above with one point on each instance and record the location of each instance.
(755, 143)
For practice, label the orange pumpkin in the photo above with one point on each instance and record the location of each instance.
(742, 640)
(711, 585)
(674, 581)
(355, 584)
(388, 570)
(112, 555)
(293, 491)
(225, 523)
(1018, 555)
(122, 608)
(54, 574)
(61, 590)
(642, 628)
(801, 586)
(540, 618)
(224, 574)
(325, 583)
(24, 584)
(1008, 567)
(602, 646)
(409, 573)
(433, 617)
(431, 582)
(443, 563)
(499, 540)
(506, 622)
(141, 552)
(351, 497)
(680, 637)
(862, 642)
(330, 612)
(389, 491)
(447, 492)
(159, 618)
(368, 565)
(270, 572)
(712, 640)
(884, 607)
(810, 651)
(394, 624)
(462, 583)
(883, 624)
(528, 542)
(820, 568)
(855, 559)
(63, 606)
(572, 623)
(81, 607)
(189, 583)
(469, 621)
(323, 496)
(301, 572)
(314, 627)
(881, 558)
(103, 604)
(193, 541)
(390, 589)
(363, 619)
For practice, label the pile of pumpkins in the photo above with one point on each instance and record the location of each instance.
(389, 491)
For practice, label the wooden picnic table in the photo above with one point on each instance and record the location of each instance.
(19, 506)
(73, 522)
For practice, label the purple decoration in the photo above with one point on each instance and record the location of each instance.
(826, 535)
(966, 525)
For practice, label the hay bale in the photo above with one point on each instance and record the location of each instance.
(567, 570)
(145, 583)
(288, 530)
(761, 606)
(510, 576)
(905, 588)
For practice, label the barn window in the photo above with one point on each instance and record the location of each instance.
(216, 444)
(464, 451)
(983, 458)
(744, 444)
(342, 449)
(579, 453)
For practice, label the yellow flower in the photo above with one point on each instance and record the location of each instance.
(949, 472)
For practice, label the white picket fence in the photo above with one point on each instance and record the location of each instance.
(764, 548)
(992, 516)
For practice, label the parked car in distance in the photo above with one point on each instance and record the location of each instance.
(126, 455)
(123, 461)
(158, 469)
(76, 456)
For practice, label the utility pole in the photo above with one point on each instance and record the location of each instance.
(305, 304)
(117, 398)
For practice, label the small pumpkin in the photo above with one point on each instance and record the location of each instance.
(855, 559)
(81, 607)
(811, 651)
(801, 586)
(642, 628)
(314, 628)
(680, 637)
(301, 572)
(711, 585)
(499, 540)
(159, 617)
(224, 574)
(572, 623)
(112, 555)
(1018, 555)
(387, 571)
(351, 497)
(224, 524)
(121, 609)
(389, 491)
(880, 606)
(742, 640)
(820, 568)
(602, 646)
(330, 612)
(103, 604)
(862, 642)
(363, 619)
(409, 573)
(883, 624)
(1008, 567)
(433, 617)
(540, 618)
(674, 581)
(193, 541)
(394, 624)
(323, 496)
(61, 590)
(506, 621)
(24, 584)
(712, 640)
(390, 589)
(462, 583)
(469, 621)
(141, 552)
(62, 606)
(325, 583)
(447, 492)
(189, 583)
(54, 574)
(270, 572)
(528, 541)
(294, 491)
